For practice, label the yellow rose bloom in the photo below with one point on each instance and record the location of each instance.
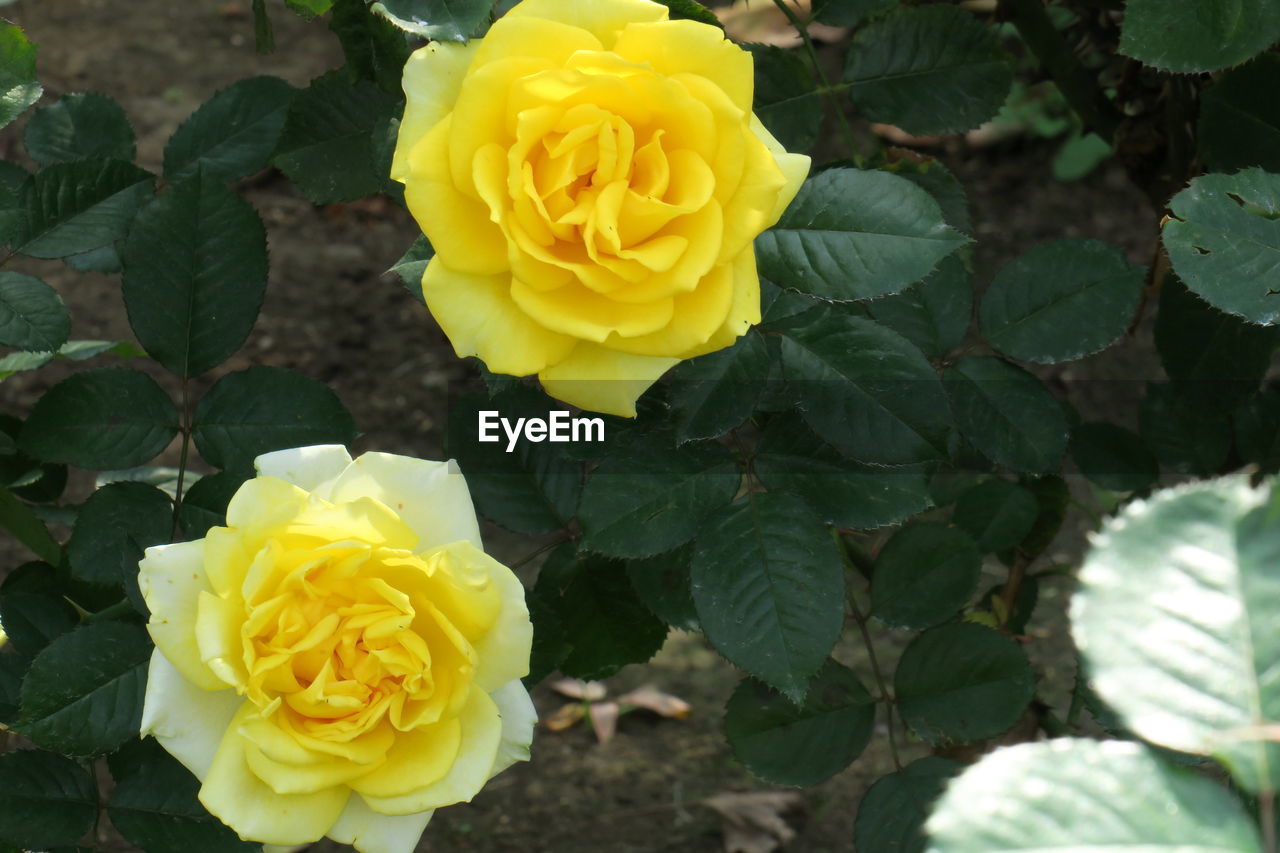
(342, 658)
(591, 177)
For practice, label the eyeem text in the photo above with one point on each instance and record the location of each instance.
(557, 426)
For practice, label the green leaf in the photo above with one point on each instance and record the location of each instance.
(83, 695)
(195, 272)
(109, 417)
(849, 13)
(997, 514)
(933, 314)
(375, 48)
(923, 576)
(12, 177)
(1224, 242)
(842, 492)
(79, 127)
(652, 496)
(1240, 119)
(19, 88)
(411, 267)
(1183, 437)
(1215, 360)
(1061, 301)
(715, 393)
(16, 362)
(264, 38)
(892, 812)
(1203, 36)
(800, 744)
(309, 8)
(205, 504)
(255, 411)
(824, 245)
(114, 526)
(33, 609)
(155, 807)
(865, 389)
(231, 135)
(549, 647)
(662, 583)
(786, 98)
(74, 207)
(18, 519)
(13, 667)
(1076, 794)
(1079, 155)
(438, 20)
(928, 70)
(768, 585)
(962, 682)
(32, 316)
(1007, 413)
(938, 181)
(45, 800)
(1257, 431)
(605, 624)
(532, 489)
(1209, 550)
(1113, 457)
(327, 145)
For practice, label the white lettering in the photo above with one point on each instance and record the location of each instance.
(535, 430)
(558, 426)
(487, 423)
(588, 426)
(512, 434)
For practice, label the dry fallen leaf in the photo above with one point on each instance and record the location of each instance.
(565, 717)
(762, 22)
(652, 699)
(604, 719)
(604, 713)
(587, 691)
(752, 821)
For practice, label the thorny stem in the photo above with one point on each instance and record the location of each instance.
(185, 429)
(826, 89)
(1267, 817)
(528, 558)
(1009, 593)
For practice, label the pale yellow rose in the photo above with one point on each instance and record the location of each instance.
(342, 658)
(592, 177)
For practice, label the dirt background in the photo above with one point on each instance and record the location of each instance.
(332, 313)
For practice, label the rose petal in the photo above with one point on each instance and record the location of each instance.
(171, 578)
(518, 720)
(603, 380)
(310, 468)
(795, 168)
(604, 18)
(187, 721)
(417, 759)
(370, 832)
(432, 77)
(675, 47)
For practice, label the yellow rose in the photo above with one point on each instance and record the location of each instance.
(342, 658)
(592, 178)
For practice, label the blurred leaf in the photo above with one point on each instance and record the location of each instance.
(205, 504)
(892, 812)
(74, 207)
(375, 48)
(115, 525)
(1195, 37)
(1240, 118)
(16, 362)
(254, 411)
(109, 417)
(1203, 644)
(79, 127)
(1185, 438)
(768, 584)
(1113, 457)
(19, 88)
(828, 246)
(928, 70)
(1077, 794)
(32, 316)
(1079, 155)
(12, 177)
(105, 260)
(933, 314)
(605, 624)
(924, 575)
(787, 101)
(1224, 241)
(232, 134)
(264, 37)
(1257, 431)
(45, 800)
(413, 264)
(662, 583)
(438, 20)
(1007, 413)
(961, 682)
(752, 821)
(849, 13)
(717, 392)
(690, 10)
(791, 744)
(1060, 301)
(1053, 498)
(33, 609)
(13, 667)
(997, 514)
(549, 644)
(309, 8)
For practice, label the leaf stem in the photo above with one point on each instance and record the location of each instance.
(185, 428)
(530, 557)
(1267, 817)
(1009, 593)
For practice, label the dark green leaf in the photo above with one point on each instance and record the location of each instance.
(1007, 413)
(865, 389)
(842, 492)
(74, 207)
(938, 181)
(33, 609)
(231, 135)
(786, 98)
(83, 695)
(933, 314)
(13, 667)
(1257, 431)
(32, 316)
(109, 417)
(195, 271)
(23, 524)
(12, 177)
(662, 582)
(923, 576)
(1201, 36)
(652, 496)
(849, 13)
(549, 644)
(892, 813)
(309, 8)
(264, 37)
(769, 589)
(114, 526)
(205, 504)
(928, 70)
(254, 411)
(375, 48)
(414, 263)
(19, 88)
(715, 393)
(1224, 242)
(605, 624)
(1061, 301)
(826, 246)
(962, 682)
(791, 744)
(45, 800)
(327, 146)
(104, 260)
(997, 514)
(690, 10)
(1053, 497)
(1240, 119)
(79, 127)
(438, 20)
(1185, 438)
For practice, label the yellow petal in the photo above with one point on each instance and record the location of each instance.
(697, 316)
(359, 518)
(187, 720)
(171, 578)
(675, 47)
(263, 503)
(795, 168)
(603, 380)
(518, 720)
(370, 832)
(288, 766)
(745, 311)
(603, 18)
(580, 312)
(311, 468)
(480, 318)
(432, 77)
(233, 794)
(416, 759)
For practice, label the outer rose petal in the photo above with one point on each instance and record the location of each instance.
(673, 47)
(745, 311)
(171, 578)
(503, 651)
(518, 719)
(432, 77)
(604, 18)
(370, 832)
(795, 168)
(187, 720)
(604, 380)
(311, 468)
(234, 795)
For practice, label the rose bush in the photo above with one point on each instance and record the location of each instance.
(591, 176)
(342, 658)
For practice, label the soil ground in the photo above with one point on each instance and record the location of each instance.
(331, 312)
